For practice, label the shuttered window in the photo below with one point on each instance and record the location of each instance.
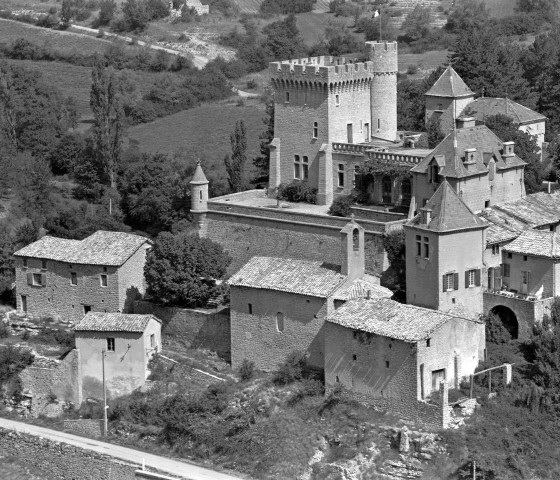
(450, 282)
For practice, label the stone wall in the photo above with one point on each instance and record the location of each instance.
(88, 427)
(193, 328)
(59, 378)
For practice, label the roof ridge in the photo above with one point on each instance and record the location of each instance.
(411, 307)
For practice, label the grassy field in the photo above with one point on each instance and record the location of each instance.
(501, 8)
(201, 132)
(425, 61)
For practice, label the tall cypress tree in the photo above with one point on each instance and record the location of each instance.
(235, 165)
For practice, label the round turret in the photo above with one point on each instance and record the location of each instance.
(199, 191)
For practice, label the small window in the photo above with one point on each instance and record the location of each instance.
(440, 106)
(200, 194)
(509, 255)
(428, 342)
(434, 173)
(103, 280)
(305, 168)
(341, 175)
(87, 309)
(280, 322)
(37, 279)
(487, 204)
(250, 305)
(297, 171)
(386, 363)
(448, 282)
(70, 266)
(470, 280)
(305, 98)
(356, 240)
(110, 344)
(496, 249)
(354, 358)
(152, 340)
(43, 264)
(287, 97)
(418, 246)
(104, 269)
(73, 278)
(315, 129)
(524, 258)
(426, 247)
(378, 123)
(24, 262)
(505, 269)
(24, 303)
(337, 100)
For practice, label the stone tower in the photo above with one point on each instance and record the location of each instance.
(199, 196)
(353, 253)
(447, 98)
(445, 246)
(383, 96)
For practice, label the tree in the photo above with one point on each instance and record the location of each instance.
(66, 11)
(394, 277)
(549, 101)
(433, 129)
(108, 121)
(235, 165)
(468, 15)
(283, 40)
(526, 148)
(106, 13)
(416, 25)
(135, 17)
(262, 162)
(181, 269)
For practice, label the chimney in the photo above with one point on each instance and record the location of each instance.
(469, 155)
(509, 149)
(426, 215)
(353, 251)
(466, 122)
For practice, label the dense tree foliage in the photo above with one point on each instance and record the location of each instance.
(181, 269)
(276, 7)
(235, 165)
(262, 162)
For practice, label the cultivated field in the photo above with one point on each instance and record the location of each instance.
(253, 6)
(201, 132)
(501, 8)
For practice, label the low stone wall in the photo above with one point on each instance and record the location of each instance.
(87, 427)
(46, 378)
(195, 328)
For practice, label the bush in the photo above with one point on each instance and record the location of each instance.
(412, 69)
(291, 370)
(297, 191)
(252, 84)
(4, 330)
(246, 370)
(341, 206)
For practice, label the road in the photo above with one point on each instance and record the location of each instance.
(165, 465)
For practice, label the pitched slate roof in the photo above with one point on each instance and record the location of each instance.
(114, 322)
(449, 212)
(538, 243)
(359, 289)
(390, 319)
(100, 248)
(487, 106)
(450, 84)
(450, 153)
(288, 275)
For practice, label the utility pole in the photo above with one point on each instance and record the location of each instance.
(104, 395)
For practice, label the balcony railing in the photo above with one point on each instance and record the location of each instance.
(510, 294)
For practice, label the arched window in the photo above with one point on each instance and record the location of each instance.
(356, 240)
(280, 321)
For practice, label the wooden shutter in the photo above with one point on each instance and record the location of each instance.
(466, 279)
(444, 283)
(477, 277)
(29, 279)
(455, 281)
(43, 279)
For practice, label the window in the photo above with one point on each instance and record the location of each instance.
(315, 129)
(110, 344)
(450, 282)
(487, 204)
(38, 279)
(386, 363)
(426, 247)
(104, 269)
(428, 342)
(24, 262)
(434, 173)
(418, 245)
(440, 106)
(354, 358)
(87, 309)
(73, 278)
(250, 305)
(305, 167)
(24, 303)
(280, 322)
(341, 175)
(337, 100)
(509, 255)
(472, 278)
(505, 269)
(496, 249)
(287, 97)
(43, 264)
(378, 123)
(524, 258)
(305, 98)
(152, 340)
(297, 172)
(366, 132)
(349, 133)
(438, 376)
(356, 174)
(103, 280)
(422, 246)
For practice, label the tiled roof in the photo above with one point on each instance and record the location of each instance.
(538, 243)
(359, 289)
(450, 153)
(288, 275)
(485, 107)
(100, 248)
(390, 319)
(449, 212)
(114, 322)
(508, 219)
(450, 84)
(199, 177)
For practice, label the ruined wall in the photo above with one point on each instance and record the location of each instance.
(88, 427)
(193, 328)
(62, 379)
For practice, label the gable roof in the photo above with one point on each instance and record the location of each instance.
(449, 212)
(390, 319)
(450, 84)
(304, 277)
(114, 322)
(100, 248)
(488, 106)
(450, 153)
(537, 243)
(361, 288)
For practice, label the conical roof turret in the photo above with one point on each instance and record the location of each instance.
(199, 178)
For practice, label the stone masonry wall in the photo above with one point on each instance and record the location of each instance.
(62, 461)
(62, 379)
(244, 237)
(131, 279)
(195, 328)
(88, 427)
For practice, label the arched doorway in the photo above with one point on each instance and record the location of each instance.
(406, 192)
(387, 189)
(508, 318)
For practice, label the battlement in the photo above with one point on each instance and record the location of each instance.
(384, 56)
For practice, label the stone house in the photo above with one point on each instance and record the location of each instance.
(128, 342)
(280, 305)
(65, 279)
(394, 356)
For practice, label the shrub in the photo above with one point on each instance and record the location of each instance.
(297, 191)
(341, 206)
(65, 338)
(246, 370)
(307, 388)
(4, 330)
(291, 370)
(252, 84)
(412, 69)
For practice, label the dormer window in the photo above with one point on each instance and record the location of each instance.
(434, 173)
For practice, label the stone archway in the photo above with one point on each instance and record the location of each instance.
(508, 318)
